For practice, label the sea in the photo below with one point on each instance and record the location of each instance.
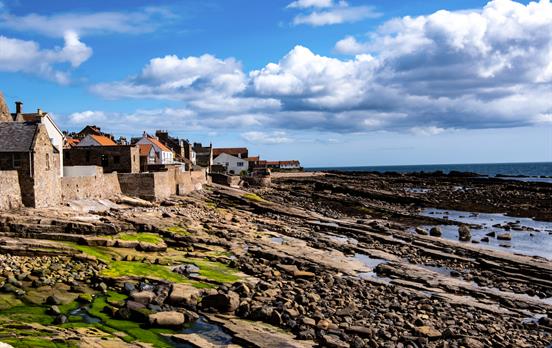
(535, 171)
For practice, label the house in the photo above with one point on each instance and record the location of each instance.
(96, 140)
(181, 147)
(92, 130)
(71, 142)
(25, 147)
(147, 156)
(112, 158)
(233, 164)
(40, 117)
(204, 155)
(284, 165)
(240, 152)
(163, 153)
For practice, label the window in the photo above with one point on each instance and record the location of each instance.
(240, 164)
(47, 161)
(16, 160)
(87, 156)
(116, 159)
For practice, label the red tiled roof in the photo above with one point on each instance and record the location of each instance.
(255, 158)
(230, 151)
(103, 141)
(159, 144)
(72, 141)
(145, 149)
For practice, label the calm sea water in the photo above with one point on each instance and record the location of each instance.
(490, 169)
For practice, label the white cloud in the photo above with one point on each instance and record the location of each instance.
(88, 116)
(350, 45)
(140, 21)
(257, 137)
(311, 3)
(483, 68)
(27, 56)
(426, 131)
(329, 13)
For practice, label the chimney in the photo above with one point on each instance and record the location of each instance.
(39, 112)
(18, 107)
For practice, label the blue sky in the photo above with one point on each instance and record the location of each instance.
(328, 82)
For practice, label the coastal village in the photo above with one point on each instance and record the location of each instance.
(159, 242)
(41, 165)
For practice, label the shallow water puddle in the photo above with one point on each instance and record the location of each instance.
(417, 190)
(372, 263)
(529, 237)
(277, 240)
(211, 332)
(342, 239)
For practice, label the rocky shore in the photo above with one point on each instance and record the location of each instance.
(340, 260)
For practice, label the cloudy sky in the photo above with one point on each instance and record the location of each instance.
(328, 82)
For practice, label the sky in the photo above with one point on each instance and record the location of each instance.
(327, 82)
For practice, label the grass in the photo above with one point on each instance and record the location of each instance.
(28, 314)
(179, 230)
(8, 301)
(36, 342)
(253, 197)
(152, 238)
(215, 271)
(101, 253)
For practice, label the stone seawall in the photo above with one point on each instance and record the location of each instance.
(90, 187)
(160, 185)
(10, 193)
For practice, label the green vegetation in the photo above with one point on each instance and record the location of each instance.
(101, 253)
(36, 342)
(8, 301)
(28, 314)
(253, 197)
(179, 230)
(152, 238)
(215, 271)
(132, 268)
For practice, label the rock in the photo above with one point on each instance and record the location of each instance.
(60, 319)
(464, 233)
(85, 298)
(545, 321)
(54, 310)
(53, 300)
(129, 287)
(421, 231)
(485, 239)
(167, 319)
(144, 297)
(222, 302)
(308, 321)
(186, 269)
(504, 236)
(435, 231)
(332, 341)
(183, 294)
(472, 343)
(428, 331)
(491, 234)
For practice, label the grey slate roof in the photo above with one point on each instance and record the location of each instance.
(17, 136)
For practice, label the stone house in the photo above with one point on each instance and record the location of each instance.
(182, 148)
(164, 155)
(112, 158)
(147, 156)
(26, 147)
(204, 155)
(232, 164)
(40, 117)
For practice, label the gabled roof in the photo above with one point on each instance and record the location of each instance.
(72, 141)
(36, 117)
(234, 151)
(145, 149)
(17, 136)
(253, 159)
(103, 141)
(158, 144)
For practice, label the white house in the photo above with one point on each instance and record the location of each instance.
(233, 164)
(164, 154)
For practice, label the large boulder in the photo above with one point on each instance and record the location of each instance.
(435, 231)
(184, 294)
(222, 302)
(167, 319)
(464, 233)
(144, 297)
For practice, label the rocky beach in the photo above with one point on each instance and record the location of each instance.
(315, 260)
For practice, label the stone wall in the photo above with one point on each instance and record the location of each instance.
(227, 180)
(161, 185)
(10, 194)
(98, 186)
(120, 158)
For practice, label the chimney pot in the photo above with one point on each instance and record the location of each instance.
(39, 111)
(18, 107)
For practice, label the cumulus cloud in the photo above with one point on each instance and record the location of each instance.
(484, 68)
(310, 3)
(320, 13)
(27, 56)
(270, 138)
(139, 21)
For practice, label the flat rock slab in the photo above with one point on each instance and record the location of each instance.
(196, 340)
(258, 334)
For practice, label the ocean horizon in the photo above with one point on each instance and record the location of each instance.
(529, 169)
